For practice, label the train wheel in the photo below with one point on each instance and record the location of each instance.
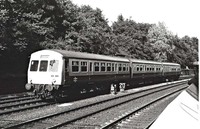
(43, 97)
(36, 94)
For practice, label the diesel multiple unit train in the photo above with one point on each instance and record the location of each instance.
(58, 72)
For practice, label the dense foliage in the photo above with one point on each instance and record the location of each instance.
(30, 25)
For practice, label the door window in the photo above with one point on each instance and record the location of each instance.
(53, 66)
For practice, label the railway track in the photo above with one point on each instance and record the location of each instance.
(141, 117)
(15, 99)
(19, 102)
(69, 116)
(21, 106)
(101, 119)
(14, 96)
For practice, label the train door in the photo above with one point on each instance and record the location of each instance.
(90, 70)
(131, 70)
(66, 70)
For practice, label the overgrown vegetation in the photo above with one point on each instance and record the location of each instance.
(30, 25)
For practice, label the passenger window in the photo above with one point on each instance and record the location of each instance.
(90, 66)
(53, 66)
(34, 65)
(120, 67)
(43, 65)
(75, 66)
(84, 66)
(108, 67)
(124, 67)
(138, 69)
(141, 67)
(113, 67)
(103, 67)
(96, 66)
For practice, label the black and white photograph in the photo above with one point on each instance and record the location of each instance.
(99, 64)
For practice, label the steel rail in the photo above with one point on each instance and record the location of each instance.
(16, 99)
(13, 96)
(98, 111)
(23, 108)
(19, 104)
(125, 116)
(88, 105)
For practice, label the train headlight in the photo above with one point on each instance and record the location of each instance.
(49, 87)
(28, 86)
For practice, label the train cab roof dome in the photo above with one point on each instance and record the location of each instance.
(73, 54)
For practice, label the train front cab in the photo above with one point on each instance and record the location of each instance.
(45, 73)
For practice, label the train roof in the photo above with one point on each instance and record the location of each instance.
(72, 54)
(83, 55)
(153, 62)
(145, 61)
(167, 63)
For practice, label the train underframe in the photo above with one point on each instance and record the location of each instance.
(44, 91)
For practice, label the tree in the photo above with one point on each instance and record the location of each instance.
(94, 35)
(16, 36)
(27, 26)
(159, 38)
(30, 25)
(187, 50)
(133, 37)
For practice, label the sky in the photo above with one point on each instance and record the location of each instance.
(181, 17)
